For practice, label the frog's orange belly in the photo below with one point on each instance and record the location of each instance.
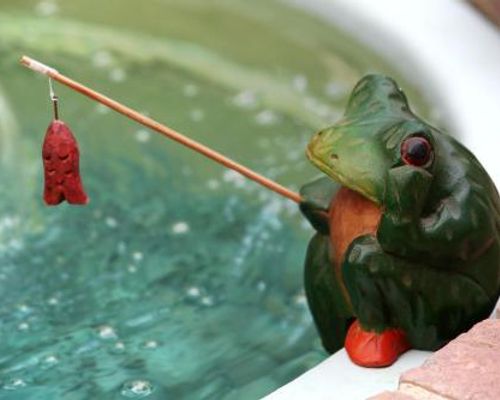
(351, 216)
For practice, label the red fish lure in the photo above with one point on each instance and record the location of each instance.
(61, 166)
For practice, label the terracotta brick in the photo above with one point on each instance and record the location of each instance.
(391, 396)
(467, 369)
(485, 333)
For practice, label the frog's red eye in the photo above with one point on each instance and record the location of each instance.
(417, 151)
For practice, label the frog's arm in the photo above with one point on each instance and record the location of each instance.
(330, 310)
(430, 304)
(459, 225)
(316, 198)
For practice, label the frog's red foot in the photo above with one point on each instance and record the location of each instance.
(372, 349)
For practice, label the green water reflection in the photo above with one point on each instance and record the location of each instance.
(180, 280)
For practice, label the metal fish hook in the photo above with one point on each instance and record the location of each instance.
(54, 99)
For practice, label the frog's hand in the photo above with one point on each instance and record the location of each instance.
(432, 306)
(317, 196)
(461, 223)
(331, 313)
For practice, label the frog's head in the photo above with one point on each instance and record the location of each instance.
(378, 132)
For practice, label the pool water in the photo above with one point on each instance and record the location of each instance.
(180, 280)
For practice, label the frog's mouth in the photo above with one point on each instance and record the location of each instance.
(337, 170)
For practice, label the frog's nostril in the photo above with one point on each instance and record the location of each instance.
(334, 156)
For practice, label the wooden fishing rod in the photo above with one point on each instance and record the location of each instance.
(160, 128)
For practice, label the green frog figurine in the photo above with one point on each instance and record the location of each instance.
(407, 249)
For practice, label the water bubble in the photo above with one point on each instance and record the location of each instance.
(87, 347)
(121, 247)
(266, 117)
(141, 320)
(207, 301)
(142, 135)
(180, 227)
(213, 184)
(300, 299)
(193, 291)
(151, 344)
(102, 109)
(64, 276)
(137, 389)
(8, 222)
(299, 83)
(23, 326)
(245, 99)
(25, 309)
(49, 361)
(46, 8)
(336, 90)
(234, 177)
(261, 286)
(190, 90)
(15, 244)
(119, 347)
(137, 256)
(14, 384)
(53, 301)
(117, 75)
(132, 269)
(312, 104)
(102, 59)
(107, 332)
(196, 115)
(111, 222)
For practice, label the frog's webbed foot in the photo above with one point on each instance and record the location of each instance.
(431, 306)
(374, 349)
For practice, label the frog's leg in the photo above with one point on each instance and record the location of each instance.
(330, 311)
(430, 306)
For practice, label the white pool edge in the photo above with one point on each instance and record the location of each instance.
(338, 378)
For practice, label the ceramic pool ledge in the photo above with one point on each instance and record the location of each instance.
(339, 378)
(452, 53)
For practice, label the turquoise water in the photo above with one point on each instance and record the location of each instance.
(180, 280)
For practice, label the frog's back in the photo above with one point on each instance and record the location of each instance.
(471, 195)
